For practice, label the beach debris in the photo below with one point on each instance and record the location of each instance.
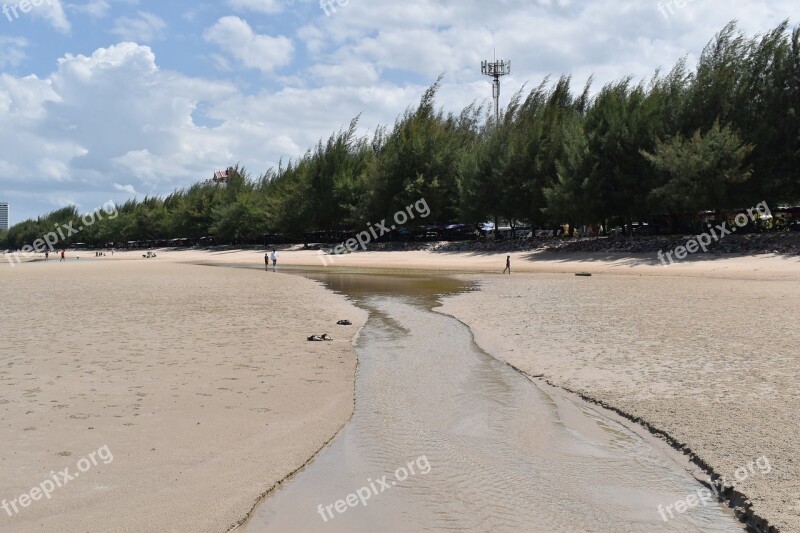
(345, 323)
(320, 338)
(584, 274)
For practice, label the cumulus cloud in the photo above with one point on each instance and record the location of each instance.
(98, 117)
(262, 52)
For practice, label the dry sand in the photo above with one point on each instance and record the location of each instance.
(199, 380)
(759, 267)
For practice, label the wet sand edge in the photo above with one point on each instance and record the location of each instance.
(243, 521)
(277, 485)
(680, 452)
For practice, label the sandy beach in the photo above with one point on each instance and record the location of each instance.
(198, 380)
(201, 383)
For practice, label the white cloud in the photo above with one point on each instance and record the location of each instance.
(53, 12)
(145, 27)
(126, 189)
(28, 156)
(610, 38)
(262, 52)
(109, 116)
(355, 73)
(260, 6)
(94, 8)
(12, 51)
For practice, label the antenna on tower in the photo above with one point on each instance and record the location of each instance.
(496, 69)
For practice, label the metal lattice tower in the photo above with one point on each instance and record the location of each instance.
(496, 69)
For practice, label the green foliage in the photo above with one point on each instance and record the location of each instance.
(422, 158)
(725, 135)
(699, 172)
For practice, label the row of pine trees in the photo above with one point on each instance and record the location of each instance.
(724, 135)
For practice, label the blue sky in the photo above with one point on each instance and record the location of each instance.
(109, 99)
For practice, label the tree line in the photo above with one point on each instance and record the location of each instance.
(723, 135)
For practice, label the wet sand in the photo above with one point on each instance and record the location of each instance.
(199, 380)
(499, 453)
(711, 362)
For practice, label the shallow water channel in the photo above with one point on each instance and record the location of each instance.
(466, 443)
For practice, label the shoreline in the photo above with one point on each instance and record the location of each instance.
(738, 502)
(245, 519)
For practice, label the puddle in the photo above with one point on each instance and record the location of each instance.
(489, 449)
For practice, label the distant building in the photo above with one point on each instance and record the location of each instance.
(221, 178)
(3, 216)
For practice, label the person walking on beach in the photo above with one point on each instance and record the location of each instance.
(62, 257)
(46, 256)
(508, 265)
(266, 261)
(274, 260)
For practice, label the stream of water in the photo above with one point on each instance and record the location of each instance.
(468, 444)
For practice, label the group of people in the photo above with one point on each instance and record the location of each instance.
(63, 254)
(274, 257)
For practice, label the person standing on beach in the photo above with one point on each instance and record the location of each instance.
(46, 256)
(266, 261)
(62, 257)
(274, 260)
(508, 265)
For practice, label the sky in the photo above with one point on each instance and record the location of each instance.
(113, 99)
